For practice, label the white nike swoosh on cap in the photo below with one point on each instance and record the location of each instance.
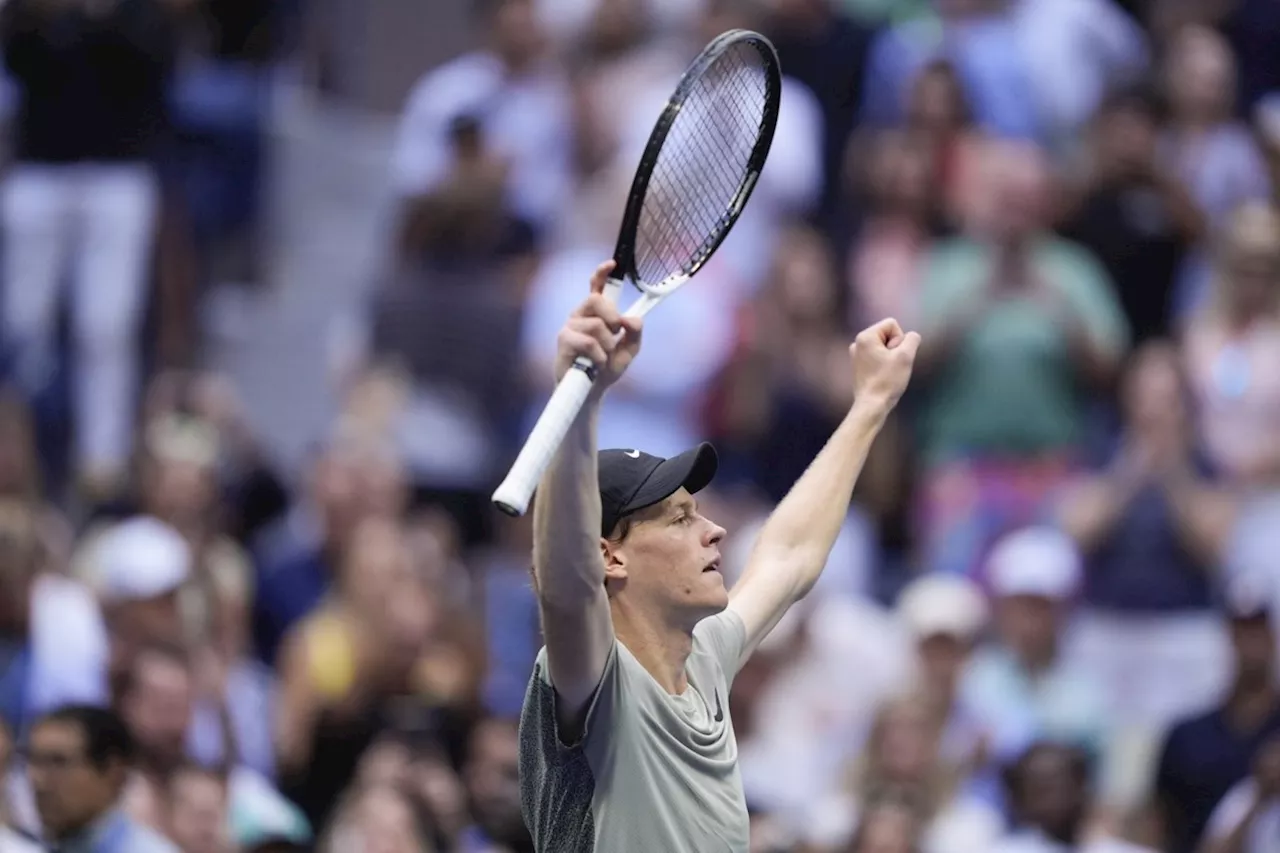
(634, 454)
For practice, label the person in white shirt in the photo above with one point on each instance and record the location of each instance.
(1076, 50)
(521, 102)
(1022, 686)
(1248, 818)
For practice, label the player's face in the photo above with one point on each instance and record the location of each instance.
(670, 558)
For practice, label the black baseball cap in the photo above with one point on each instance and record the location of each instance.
(631, 480)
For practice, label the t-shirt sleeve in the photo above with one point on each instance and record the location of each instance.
(723, 636)
(556, 772)
(541, 703)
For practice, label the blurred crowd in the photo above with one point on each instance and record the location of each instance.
(1049, 623)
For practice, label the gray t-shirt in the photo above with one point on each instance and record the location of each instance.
(651, 772)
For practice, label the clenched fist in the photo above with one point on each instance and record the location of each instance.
(883, 356)
(598, 331)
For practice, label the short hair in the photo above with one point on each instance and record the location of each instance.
(1079, 762)
(622, 528)
(106, 737)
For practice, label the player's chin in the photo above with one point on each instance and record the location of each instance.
(716, 593)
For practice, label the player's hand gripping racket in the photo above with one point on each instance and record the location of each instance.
(695, 176)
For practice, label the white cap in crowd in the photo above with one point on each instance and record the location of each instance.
(1035, 561)
(948, 605)
(142, 558)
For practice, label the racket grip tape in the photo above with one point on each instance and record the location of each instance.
(515, 492)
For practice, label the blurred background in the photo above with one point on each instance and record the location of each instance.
(279, 288)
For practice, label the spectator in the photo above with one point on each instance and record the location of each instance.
(1152, 524)
(342, 663)
(453, 326)
(350, 479)
(54, 646)
(161, 698)
(1052, 801)
(142, 567)
(1023, 686)
(821, 46)
(1204, 756)
(786, 388)
(1076, 51)
(945, 616)
(515, 95)
(52, 635)
(1211, 153)
(78, 761)
(83, 194)
(197, 815)
(982, 41)
(253, 496)
(1230, 342)
(903, 218)
(155, 704)
(377, 818)
(491, 776)
(1135, 215)
(940, 112)
(464, 224)
(891, 823)
(1019, 328)
(220, 102)
(178, 489)
(905, 749)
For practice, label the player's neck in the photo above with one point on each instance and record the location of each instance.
(661, 649)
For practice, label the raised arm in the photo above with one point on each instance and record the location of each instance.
(793, 545)
(567, 565)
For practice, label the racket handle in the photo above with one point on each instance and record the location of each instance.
(515, 492)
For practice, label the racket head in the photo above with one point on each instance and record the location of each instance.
(701, 163)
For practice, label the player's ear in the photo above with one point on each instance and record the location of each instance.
(615, 561)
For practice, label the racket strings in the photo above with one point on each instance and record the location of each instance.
(714, 141)
(703, 165)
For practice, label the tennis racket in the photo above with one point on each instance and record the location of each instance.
(695, 176)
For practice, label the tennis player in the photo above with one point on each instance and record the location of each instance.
(626, 743)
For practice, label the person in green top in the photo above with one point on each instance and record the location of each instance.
(1023, 331)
